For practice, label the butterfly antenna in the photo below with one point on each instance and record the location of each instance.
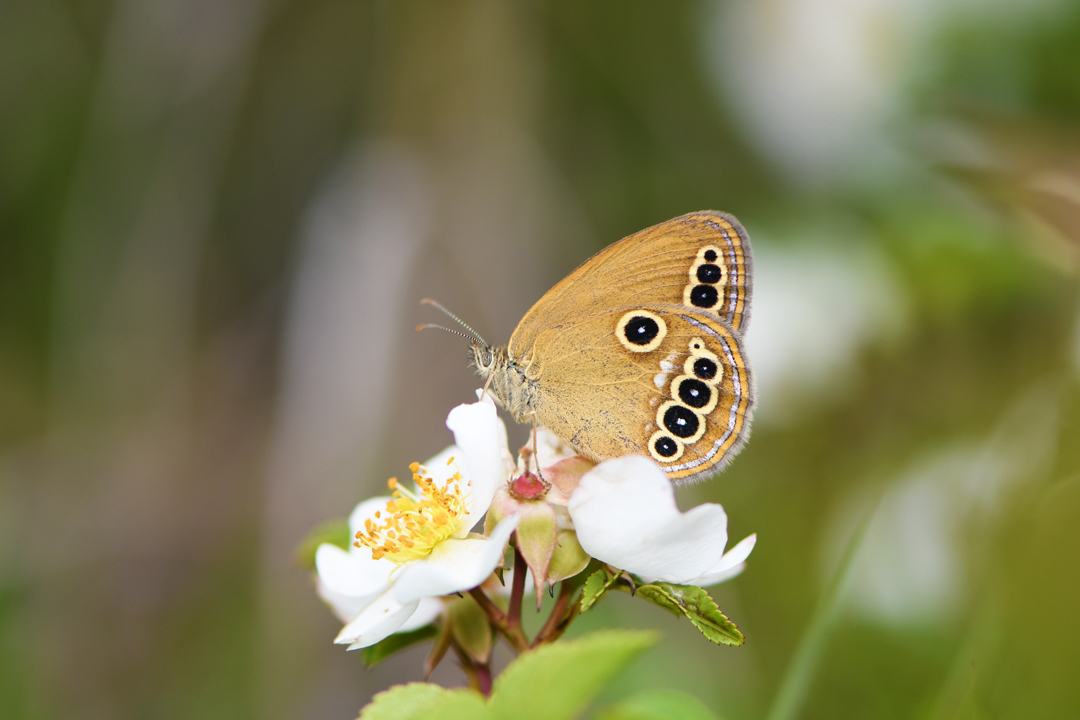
(475, 335)
(425, 326)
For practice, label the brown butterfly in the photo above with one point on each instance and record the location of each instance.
(640, 350)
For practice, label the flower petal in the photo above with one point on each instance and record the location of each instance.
(733, 563)
(625, 514)
(354, 574)
(345, 607)
(377, 621)
(437, 466)
(550, 448)
(454, 565)
(426, 612)
(365, 511)
(485, 460)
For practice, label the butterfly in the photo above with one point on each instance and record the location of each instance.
(640, 349)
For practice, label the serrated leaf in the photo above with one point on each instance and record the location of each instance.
(403, 702)
(424, 701)
(660, 704)
(557, 681)
(334, 532)
(374, 654)
(595, 587)
(697, 605)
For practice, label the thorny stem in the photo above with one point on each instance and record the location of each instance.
(559, 619)
(509, 623)
(513, 635)
(478, 674)
(517, 591)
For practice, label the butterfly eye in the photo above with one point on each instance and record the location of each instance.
(641, 330)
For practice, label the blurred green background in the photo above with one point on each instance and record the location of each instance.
(217, 218)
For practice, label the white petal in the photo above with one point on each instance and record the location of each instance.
(625, 514)
(733, 563)
(366, 511)
(345, 607)
(377, 621)
(441, 472)
(550, 448)
(354, 574)
(717, 578)
(429, 609)
(484, 460)
(454, 565)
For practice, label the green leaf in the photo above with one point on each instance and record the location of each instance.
(403, 702)
(374, 654)
(595, 587)
(334, 532)
(423, 701)
(660, 704)
(557, 681)
(698, 606)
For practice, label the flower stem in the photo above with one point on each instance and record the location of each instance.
(560, 618)
(513, 635)
(478, 675)
(517, 591)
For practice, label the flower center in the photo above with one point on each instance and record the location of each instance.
(414, 523)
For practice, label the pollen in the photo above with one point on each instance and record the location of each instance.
(413, 523)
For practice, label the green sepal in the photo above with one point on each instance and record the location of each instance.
(697, 605)
(569, 559)
(333, 532)
(374, 654)
(595, 587)
(470, 628)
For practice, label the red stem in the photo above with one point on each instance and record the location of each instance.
(498, 618)
(560, 618)
(517, 592)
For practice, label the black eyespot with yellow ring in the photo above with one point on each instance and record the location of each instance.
(641, 331)
(664, 448)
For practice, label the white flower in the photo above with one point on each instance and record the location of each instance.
(416, 545)
(625, 514)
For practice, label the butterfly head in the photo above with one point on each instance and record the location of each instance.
(483, 357)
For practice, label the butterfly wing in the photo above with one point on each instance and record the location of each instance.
(664, 381)
(701, 261)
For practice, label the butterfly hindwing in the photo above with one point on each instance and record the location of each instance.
(660, 380)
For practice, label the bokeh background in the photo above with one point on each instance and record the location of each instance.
(217, 218)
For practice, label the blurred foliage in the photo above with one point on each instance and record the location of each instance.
(159, 163)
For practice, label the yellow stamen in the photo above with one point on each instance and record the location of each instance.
(415, 522)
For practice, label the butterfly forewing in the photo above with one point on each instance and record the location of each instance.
(659, 380)
(700, 261)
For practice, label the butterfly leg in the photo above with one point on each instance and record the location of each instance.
(536, 452)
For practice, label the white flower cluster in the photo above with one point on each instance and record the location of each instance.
(417, 545)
